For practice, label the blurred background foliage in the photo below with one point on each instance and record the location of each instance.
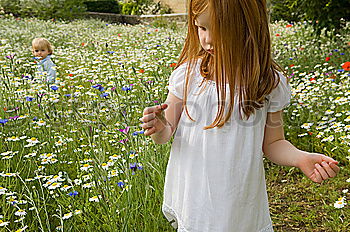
(324, 14)
(44, 9)
(70, 9)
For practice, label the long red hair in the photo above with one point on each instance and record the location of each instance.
(242, 47)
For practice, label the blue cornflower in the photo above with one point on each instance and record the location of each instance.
(342, 54)
(138, 132)
(336, 50)
(120, 184)
(104, 95)
(68, 95)
(72, 194)
(3, 121)
(290, 58)
(14, 202)
(110, 52)
(340, 70)
(99, 87)
(133, 166)
(126, 88)
(54, 87)
(29, 99)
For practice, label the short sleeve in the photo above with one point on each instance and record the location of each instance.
(50, 68)
(279, 98)
(177, 81)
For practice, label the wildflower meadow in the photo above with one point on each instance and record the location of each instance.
(73, 156)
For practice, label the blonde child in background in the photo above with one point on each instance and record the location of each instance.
(42, 50)
(225, 102)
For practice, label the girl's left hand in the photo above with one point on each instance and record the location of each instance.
(318, 167)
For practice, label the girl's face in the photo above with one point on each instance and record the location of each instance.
(203, 24)
(40, 52)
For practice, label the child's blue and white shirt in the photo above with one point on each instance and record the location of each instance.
(47, 69)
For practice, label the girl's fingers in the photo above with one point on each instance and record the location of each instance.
(328, 169)
(323, 173)
(148, 117)
(155, 109)
(149, 124)
(152, 109)
(163, 106)
(312, 177)
(150, 131)
(335, 167)
(318, 178)
(329, 159)
(152, 116)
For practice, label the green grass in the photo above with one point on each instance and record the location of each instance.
(75, 126)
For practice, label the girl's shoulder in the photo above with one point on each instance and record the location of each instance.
(280, 96)
(282, 76)
(184, 67)
(177, 78)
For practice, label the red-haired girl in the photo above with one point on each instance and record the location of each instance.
(225, 103)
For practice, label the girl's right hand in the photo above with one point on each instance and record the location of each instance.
(154, 119)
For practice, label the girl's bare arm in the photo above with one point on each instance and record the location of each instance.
(317, 167)
(161, 121)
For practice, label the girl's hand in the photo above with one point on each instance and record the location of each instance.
(153, 119)
(318, 167)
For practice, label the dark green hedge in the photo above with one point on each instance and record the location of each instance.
(329, 14)
(105, 6)
(49, 9)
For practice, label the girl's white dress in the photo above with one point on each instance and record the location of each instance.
(215, 178)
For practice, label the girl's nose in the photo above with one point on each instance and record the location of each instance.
(209, 39)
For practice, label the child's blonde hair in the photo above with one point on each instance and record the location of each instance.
(39, 43)
(242, 48)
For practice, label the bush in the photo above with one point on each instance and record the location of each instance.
(284, 10)
(65, 9)
(130, 8)
(139, 7)
(107, 6)
(326, 14)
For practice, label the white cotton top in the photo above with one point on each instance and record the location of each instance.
(215, 178)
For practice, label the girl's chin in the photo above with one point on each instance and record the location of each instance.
(211, 52)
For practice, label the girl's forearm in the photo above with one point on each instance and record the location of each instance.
(162, 136)
(282, 152)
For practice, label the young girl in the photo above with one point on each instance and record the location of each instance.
(42, 49)
(225, 103)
